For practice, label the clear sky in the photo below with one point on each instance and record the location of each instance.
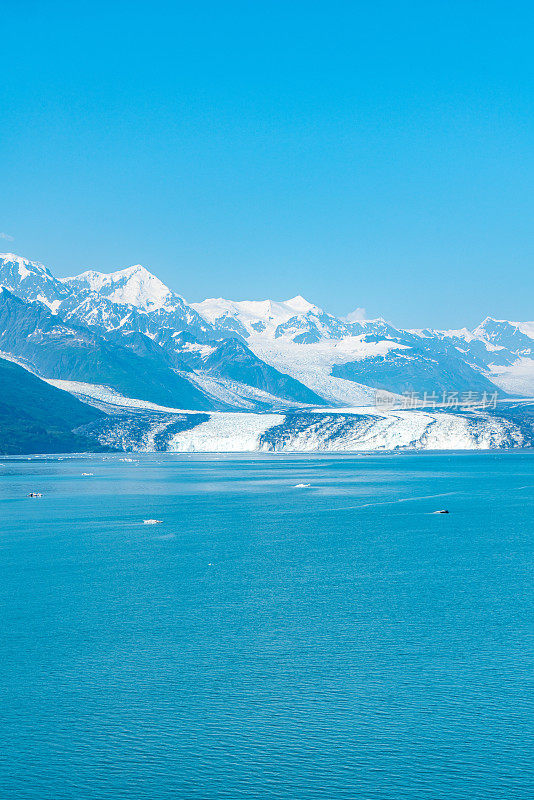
(375, 154)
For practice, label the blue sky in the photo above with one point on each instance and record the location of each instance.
(375, 154)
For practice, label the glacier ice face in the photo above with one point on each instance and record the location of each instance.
(355, 430)
(226, 433)
(134, 425)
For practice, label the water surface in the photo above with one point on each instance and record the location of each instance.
(340, 641)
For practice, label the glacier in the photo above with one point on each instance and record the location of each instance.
(143, 427)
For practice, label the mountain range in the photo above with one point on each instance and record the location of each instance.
(127, 333)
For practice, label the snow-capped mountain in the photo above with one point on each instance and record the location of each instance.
(265, 317)
(295, 320)
(31, 280)
(341, 360)
(515, 337)
(134, 286)
(250, 354)
(86, 325)
(131, 299)
(500, 349)
(53, 348)
(302, 340)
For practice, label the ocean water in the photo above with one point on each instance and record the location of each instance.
(340, 641)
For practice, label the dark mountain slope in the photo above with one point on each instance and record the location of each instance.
(38, 418)
(233, 359)
(437, 368)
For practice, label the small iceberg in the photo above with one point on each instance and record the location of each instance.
(442, 511)
(152, 521)
(35, 494)
(302, 485)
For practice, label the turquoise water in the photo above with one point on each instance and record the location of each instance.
(264, 641)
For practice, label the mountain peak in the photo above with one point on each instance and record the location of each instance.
(29, 280)
(135, 269)
(134, 286)
(25, 267)
(299, 304)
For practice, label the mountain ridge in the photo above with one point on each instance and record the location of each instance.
(304, 350)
